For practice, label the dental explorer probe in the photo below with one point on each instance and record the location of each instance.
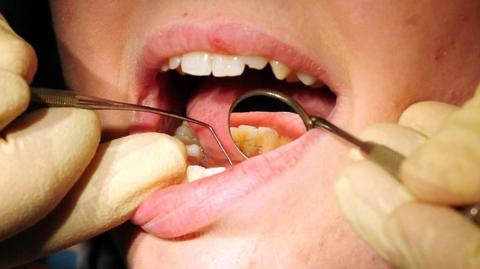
(62, 98)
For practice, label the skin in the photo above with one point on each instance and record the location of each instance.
(385, 55)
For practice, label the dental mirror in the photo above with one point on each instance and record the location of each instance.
(262, 120)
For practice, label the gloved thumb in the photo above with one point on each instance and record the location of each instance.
(444, 169)
(122, 174)
(42, 154)
(428, 236)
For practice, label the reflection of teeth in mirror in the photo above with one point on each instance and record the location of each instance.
(199, 63)
(252, 141)
(196, 172)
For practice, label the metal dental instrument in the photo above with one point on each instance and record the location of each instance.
(387, 158)
(61, 98)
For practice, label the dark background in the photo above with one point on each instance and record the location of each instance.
(31, 20)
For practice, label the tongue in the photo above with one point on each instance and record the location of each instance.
(212, 100)
(211, 104)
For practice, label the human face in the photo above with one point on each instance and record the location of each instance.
(279, 210)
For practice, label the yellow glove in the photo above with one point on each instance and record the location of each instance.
(41, 154)
(56, 188)
(410, 223)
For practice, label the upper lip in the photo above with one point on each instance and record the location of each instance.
(227, 38)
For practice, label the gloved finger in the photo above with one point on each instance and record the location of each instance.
(17, 56)
(426, 117)
(18, 64)
(367, 195)
(15, 96)
(428, 236)
(445, 169)
(120, 176)
(402, 139)
(42, 154)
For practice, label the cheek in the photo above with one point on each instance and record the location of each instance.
(91, 37)
(401, 53)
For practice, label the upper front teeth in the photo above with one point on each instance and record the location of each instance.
(255, 62)
(279, 69)
(220, 65)
(197, 64)
(227, 66)
(174, 62)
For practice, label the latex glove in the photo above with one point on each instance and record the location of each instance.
(41, 154)
(411, 224)
(44, 153)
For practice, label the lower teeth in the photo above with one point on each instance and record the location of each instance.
(195, 172)
(194, 151)
(254, 141)
(195, 154)
(185, 134)
(250, 140)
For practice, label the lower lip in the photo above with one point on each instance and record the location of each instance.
(183, 209)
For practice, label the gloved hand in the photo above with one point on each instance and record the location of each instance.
(411, 222)
(45, 202)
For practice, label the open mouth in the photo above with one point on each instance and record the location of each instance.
(202, 79)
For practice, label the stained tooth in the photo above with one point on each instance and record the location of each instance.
(255, 62)
(279, 69)
(164, 68)
(269, 139)
(253, 141)
(305, 78)
(174, 62)
(227, 66)
(283, 140)
(197, 63)
(249, 142)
